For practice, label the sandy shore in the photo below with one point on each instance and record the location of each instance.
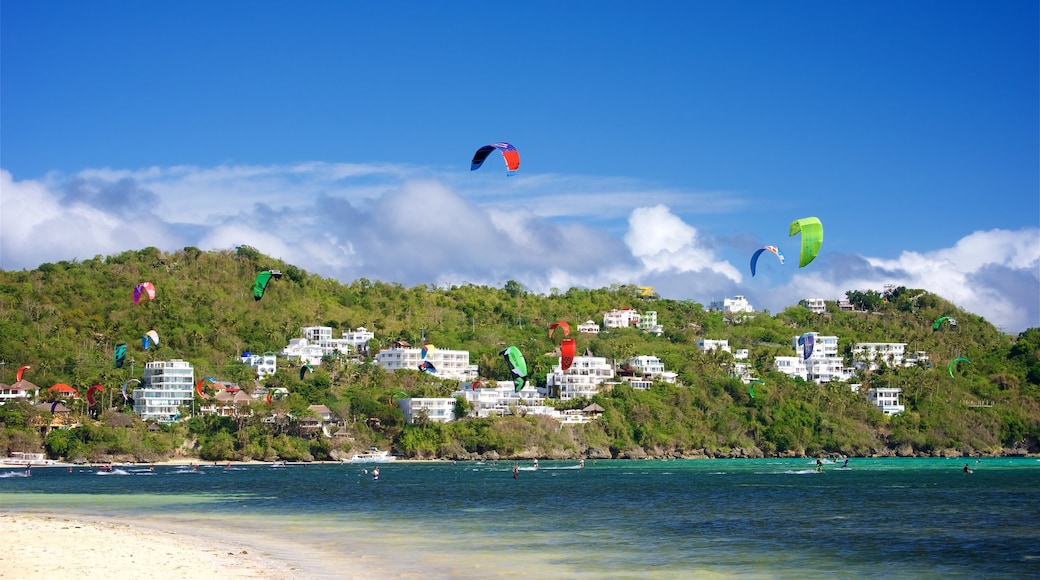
(47, 546)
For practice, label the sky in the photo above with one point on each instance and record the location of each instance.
(661, 143)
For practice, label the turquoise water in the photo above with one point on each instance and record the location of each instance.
(768, 518)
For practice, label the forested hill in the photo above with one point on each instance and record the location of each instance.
(64, 319)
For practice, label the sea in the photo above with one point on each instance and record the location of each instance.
(696, 518)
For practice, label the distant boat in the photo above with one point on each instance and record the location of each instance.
(20, 459)
(372, 456)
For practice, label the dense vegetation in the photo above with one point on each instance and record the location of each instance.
(64, 319)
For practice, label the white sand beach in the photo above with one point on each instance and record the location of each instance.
(51, 546)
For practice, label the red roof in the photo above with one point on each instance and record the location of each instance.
(62, 388)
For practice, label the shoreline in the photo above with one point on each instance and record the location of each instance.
(49, 545)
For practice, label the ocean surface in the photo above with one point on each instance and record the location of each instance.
(712, 518)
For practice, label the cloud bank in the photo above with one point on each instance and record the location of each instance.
(385, 222)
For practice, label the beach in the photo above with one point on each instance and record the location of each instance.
(52, 546)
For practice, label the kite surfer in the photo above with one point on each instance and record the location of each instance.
(375, 474)
(967, 469)
(516, 471)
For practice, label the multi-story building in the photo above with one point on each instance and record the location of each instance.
(265, 364)
(22, 389)
(358, 339)
(588, 327)
(624, 318)
(736, 305)
(501, 398)
(651, 366)
(448, 364)
(648, 323)
(228, 401)
(817, 305)
(438, 409)
(301, 349)
(583, 379)
(706, 344)
(165, 386)
(823, 364)
(322, 337)
(872, 354)
(886, 399)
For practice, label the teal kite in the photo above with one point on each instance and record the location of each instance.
(954, 362)
(262, 280)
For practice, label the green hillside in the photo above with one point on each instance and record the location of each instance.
(64, 319)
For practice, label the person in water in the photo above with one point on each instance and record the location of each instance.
(516, 471)
(819, 464)
(375, 474)
(846, 464)
(966, 468)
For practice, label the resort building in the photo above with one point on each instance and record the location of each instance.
(499, 397)
(652, 367)
(583, 379)
(22, 389)
(228, 401)
(165, 386)
(624, 318)
(302, 350)
(872, 354)
(437, 409)
(317, 343)
(736, 305)
(816, 305)
(358, 339)
(823, 364)
(706, 344)
(264, 365)
(447, 364)
(322, 337)
(588, 327)
(886, 399)
(648, 323)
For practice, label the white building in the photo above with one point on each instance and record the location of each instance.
(872, 354)
(499, 398)
(437, 409)
(817, 305)
(588, 327)
(264, 365)
(449, 364)
(301, 349)
(823, 365)
(737, 304)
(582, 379)
(22, 389)
(886, 399)
(165, 386)
(503, 399)
(915, 358)
(358, 338)
(624, 318)
(706, 344)
(651, 366)
(322, 337)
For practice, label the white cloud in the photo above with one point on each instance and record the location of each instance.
(351, 221)
(663, 242)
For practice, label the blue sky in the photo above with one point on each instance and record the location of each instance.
(661, 143)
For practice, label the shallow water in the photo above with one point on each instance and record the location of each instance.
(768, 518)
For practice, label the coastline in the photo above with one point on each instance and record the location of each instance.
(46, 545)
